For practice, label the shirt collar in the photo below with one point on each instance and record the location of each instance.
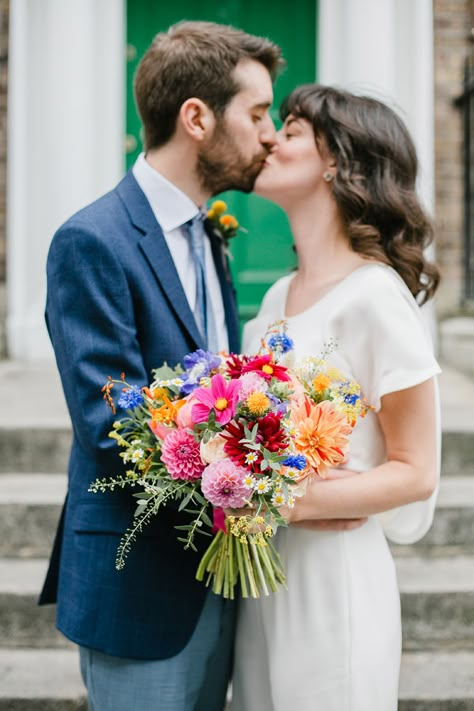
(171, 207)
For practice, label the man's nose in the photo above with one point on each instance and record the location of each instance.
(268, 133)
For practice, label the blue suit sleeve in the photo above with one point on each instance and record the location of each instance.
(90, 318)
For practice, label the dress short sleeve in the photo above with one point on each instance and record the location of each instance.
(399, 351)
(399, 356)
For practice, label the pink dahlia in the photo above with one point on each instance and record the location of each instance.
(181, 455)
(223, 484)
(251, 383)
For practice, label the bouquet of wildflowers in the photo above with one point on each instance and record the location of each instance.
(226, 432)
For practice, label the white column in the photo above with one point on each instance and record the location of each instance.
(66, 119)
(384, 48)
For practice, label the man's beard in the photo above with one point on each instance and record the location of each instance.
(221, 166)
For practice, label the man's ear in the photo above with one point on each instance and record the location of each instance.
(196, 119)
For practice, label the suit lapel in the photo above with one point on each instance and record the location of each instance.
(154, 247)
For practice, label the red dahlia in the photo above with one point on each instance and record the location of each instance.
(270, 434)
(235, 364)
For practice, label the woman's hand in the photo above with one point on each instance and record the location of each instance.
(330, 524)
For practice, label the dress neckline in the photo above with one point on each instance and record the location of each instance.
(328, 293)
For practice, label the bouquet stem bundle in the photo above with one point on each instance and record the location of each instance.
(249, 559)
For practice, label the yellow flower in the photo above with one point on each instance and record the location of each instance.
(334, 374)
(258, 403)
(218, 207)
(321, 382)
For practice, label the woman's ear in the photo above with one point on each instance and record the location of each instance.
(196, 119)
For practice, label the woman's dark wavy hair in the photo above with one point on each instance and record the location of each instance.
(374, 185)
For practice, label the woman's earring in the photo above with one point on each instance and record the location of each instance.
(328, 176)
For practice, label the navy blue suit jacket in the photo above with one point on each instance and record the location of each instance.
(115, 304)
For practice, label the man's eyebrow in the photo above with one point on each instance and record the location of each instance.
(262, 105)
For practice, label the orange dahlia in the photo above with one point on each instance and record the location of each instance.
(321, 433)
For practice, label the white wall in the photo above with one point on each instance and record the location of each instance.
(66, 128)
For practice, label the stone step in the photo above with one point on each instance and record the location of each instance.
(30, 506)
(453, 523)
(40, 449)
(49, 680)
(41, 680)
(22, 622)
(437, 681)
(437, 603)
(437, 597)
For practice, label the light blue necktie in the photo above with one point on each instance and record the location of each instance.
(203, 311)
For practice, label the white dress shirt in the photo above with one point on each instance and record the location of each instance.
(172, 209)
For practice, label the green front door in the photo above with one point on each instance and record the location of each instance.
(264, 252)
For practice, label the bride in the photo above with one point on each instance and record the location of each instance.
(344, 170)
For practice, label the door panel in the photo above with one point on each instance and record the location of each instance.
(264, 252)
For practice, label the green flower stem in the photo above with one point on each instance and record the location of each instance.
(228, 587)
(250, 572)
(258, 568)
(277, 564)
(220, 568)
(269, 567)
(240, 563)
(209, 555)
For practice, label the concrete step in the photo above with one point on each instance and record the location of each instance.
(453, 523)
(49, 680)
(42, 449)
(437, 601)
(437, 681)
(41, 680)
(30, 506)
(22, 622)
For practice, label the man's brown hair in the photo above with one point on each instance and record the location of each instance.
(194, 59)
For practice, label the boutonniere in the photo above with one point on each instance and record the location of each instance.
(225, 226)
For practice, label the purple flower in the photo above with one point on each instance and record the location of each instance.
(198, 365)
(130, 398)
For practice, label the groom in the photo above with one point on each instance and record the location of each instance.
(123, 296)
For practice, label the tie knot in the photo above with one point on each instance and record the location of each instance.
(198, 219)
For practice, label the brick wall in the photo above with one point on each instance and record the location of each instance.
(452, 25)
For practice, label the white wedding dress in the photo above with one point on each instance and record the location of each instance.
(332, 641)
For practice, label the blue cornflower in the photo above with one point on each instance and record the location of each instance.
(281, 343)
(351, 398)
(198, 365)
(295, 461)
(130, 398)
